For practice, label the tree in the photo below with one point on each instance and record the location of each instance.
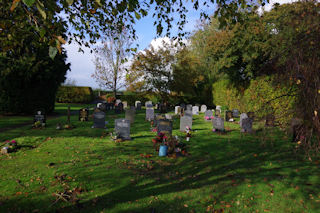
(29, 78)
(110, 61)
(95, 18)
(154, 68)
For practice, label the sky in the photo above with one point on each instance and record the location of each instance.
(82, 66)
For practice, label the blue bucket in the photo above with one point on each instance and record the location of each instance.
(163, 150)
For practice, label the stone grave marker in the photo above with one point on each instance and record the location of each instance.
(242, 116)
(218, 108)
(125, 104)
(149, 114)
(84, 114)
(164, 126)
(136, 103)
(188, 113)
(130, 114)
(189, 107)
(148, 103)
(218, 124)
(117, 101)
(246, 125)
(99, 119)
(40, 116)
(138, 107)
(218, 113)
(177, 109)
(184, 122)
(203, 108)
(157, 118)
(168, 116)
(235, 113)
(119, 108)
(122, 128)
(228, 116)
(195, 110)
(208, 115)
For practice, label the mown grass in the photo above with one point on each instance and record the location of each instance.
(234, 172)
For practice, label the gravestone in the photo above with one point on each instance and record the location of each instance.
(243, 116)
(122, 128)
(218, 113)
(184, 122)
(235, 113)
(228, 116)
(84, 114)
(125, 104)
(246, 125)
(130, 114)
(40, 116)
(177, 110)
(189, 107)
(138, 107)
(251, 115)
(183, 106)
(119, 108)
(203, 108)
(168, 117)
(102, 106)
(149, 114)
(148, 103)
(270, 120)
(99, 119)
(195, 110)
(109, 106)
(164, 126)
(157, 118)
(218, 124)
(188, 113)
(136, 103)
(208, 115)
(156, 106)
(117, 101)
(218, 108)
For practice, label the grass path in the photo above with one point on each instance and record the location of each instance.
(233, 172)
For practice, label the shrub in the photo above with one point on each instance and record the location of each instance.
(74, 94)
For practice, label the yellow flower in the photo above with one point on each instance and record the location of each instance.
(299, 142)
(298, 81)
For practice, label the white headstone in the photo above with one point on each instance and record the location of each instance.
(195, 110)
(203, 108)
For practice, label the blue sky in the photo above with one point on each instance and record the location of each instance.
(82, 63)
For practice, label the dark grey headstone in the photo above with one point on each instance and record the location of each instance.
(235, 113)
(148, 103)
(164, 126)
(130, 114)
(119, 108)
(149, 114)
(99, 119)
(84, 114)
(138, 107)
(246, 125)
(228, 115)
(218, 123)
(122, 128)
(40, 116)
(184, 122)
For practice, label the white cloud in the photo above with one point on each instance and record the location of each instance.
(81, 65)
(269, 6)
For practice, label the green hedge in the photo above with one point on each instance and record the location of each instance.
(260, 97)
(74, 94)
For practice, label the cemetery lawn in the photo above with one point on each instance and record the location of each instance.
(82, 170)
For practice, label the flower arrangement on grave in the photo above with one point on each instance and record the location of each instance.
(10, 146)
(116, 137)
(38, 125)
(208, 118)
(66, 126)
(159, 140)
(188, 133)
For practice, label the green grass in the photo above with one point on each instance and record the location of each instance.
(234, 172)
